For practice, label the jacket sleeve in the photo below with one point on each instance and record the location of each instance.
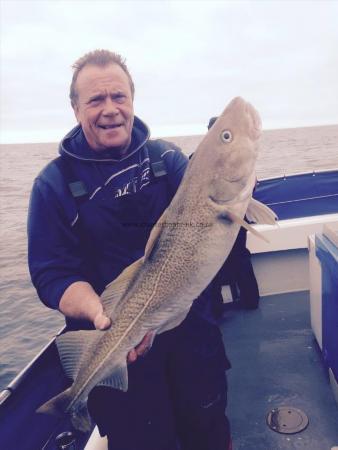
(54, 256)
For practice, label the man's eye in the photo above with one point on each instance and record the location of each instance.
(119, 98)
(93, 101)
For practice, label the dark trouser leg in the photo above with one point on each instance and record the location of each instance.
(197, 368)
(247, 283)
(214, 308)
(240, 270)
(141, 418)
(179, 387)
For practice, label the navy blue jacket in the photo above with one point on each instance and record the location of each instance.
(92, 240)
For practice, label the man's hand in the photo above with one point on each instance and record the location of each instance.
(142, 348)
(80, 301)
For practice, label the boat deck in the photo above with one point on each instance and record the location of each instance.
(277, 362)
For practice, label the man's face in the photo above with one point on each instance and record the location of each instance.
(104, 107)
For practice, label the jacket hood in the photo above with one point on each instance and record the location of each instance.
(75, 145)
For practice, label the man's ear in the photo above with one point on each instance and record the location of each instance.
(76, 112)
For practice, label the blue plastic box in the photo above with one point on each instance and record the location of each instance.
(327, 253)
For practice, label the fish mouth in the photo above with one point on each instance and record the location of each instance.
(221, 201)
(237, 197)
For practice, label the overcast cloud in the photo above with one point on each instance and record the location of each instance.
(187, 58)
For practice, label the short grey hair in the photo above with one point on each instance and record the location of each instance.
(99, 58)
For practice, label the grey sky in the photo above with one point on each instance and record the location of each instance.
(187, 58)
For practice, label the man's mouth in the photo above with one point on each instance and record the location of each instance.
(111, 126)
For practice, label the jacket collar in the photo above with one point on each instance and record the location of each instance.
(75, 145)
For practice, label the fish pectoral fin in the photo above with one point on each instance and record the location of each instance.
(154, 235)
(118, 379)
(74, 347)
(115, 290)
(259, 213)
(230, 216)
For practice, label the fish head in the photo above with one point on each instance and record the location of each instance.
(232, 145)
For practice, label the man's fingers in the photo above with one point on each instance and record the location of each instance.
(145, 344)
(102, 322)
(142, 348)
(132, 356)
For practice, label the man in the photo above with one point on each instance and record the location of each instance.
(86, 224)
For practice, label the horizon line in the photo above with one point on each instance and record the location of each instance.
(53, 136)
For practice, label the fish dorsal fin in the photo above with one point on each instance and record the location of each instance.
(259, 213)
(154, 235)
(118, 379)
(74, 347)
(115, 290)
(229, 215)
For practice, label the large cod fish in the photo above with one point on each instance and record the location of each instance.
(185, 250)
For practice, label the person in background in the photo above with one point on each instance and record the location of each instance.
(237, 272)
(107, 176)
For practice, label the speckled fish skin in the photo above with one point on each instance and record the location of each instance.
(185, 250)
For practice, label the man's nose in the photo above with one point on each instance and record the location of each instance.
(110, 108)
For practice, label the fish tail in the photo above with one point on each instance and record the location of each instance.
(57, 406)
(81, 419)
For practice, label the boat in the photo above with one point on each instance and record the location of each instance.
(283, 385)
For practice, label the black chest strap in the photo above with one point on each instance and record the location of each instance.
(78, 188)
(156, 149)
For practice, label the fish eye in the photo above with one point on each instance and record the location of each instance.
(226, 136)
